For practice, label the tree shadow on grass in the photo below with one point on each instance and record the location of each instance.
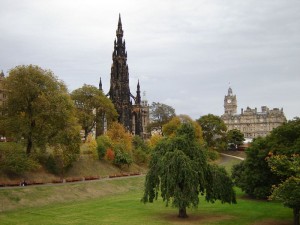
(194, 219)
(272, 222)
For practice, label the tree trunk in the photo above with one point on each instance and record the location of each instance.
(296, 215)
(182, 213)
(86, 132)
(29, 138)
(29, 145)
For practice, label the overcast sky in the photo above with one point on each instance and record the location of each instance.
(185, 53)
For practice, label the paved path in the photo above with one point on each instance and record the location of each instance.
(240, 158)
(75, 182)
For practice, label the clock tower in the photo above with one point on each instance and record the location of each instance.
(230, 103)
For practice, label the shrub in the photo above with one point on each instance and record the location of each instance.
(14, 161)
(51, 165)
(140, 157)
(212, 154)
(122, 158)
(103, 143)
(118, 135)
(91, 146)
(110, 155)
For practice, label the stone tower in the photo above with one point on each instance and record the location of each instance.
(119, 92)
(129, 107)
(230, 103)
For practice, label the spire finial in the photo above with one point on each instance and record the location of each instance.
(119, 31)
(229, 90)
(120, 21)
(100, 85)
(138, 94)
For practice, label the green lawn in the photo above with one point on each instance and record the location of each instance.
(125, 208)
(116, 201)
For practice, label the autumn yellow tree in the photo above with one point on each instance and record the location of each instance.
(171, 127)
(119, 142)
(120, 137)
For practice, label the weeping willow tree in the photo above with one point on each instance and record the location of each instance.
(180, 173)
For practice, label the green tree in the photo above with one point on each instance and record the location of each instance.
(92, 107)
(287, 191)
(66, 147)
(13, 159)
(103, 143)
(141, 150)
(160, 114)
(214, 131)
(254, 175)
(235, 137)
(122, 157)
(285, 139)
(180, 170)
(38, 109)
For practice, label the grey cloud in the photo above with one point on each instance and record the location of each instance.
(184, 53)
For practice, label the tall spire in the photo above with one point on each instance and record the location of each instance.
(119, 31)
(120, 22)
(119, 44)
(119, 91)
(100, 85)
(138, 94)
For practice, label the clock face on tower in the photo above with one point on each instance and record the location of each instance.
(229, 100)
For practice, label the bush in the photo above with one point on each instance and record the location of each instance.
(103, 144)
(141, 151)
(51, 165)
(212, 154)
(14, 161)
(140, 157)
(122, 158)
(91, 147)
(109, 155)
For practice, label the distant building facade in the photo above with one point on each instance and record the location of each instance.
(132, 109)
(251, 122)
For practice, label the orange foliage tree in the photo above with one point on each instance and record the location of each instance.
(110, 155)
(120, 137)
(171, 127)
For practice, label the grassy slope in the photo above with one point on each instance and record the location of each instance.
(85, 166)
(118, 202)
(35, 196)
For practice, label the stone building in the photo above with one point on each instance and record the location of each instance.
(251, 122)
(133, 111)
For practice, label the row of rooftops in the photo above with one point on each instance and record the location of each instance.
(264, 110)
